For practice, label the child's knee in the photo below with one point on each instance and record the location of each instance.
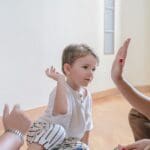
(50, 137)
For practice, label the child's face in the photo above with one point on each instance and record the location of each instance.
(81, 71)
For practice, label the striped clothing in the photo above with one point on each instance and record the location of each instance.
(48, 135)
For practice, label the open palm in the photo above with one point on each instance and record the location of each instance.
(118, 64)
(52, 73)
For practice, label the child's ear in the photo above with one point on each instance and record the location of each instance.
(67, 68)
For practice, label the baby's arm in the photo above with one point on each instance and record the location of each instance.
(60, 103)
(85, 138)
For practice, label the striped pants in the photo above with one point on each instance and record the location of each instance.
(46, 134)
(71, 144)
(52, 137)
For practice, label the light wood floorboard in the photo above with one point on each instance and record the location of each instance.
(110, 115)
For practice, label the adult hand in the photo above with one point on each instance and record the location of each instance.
(118, 64)
(16, 119)
(138, 145)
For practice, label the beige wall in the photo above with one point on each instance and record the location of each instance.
(135, 20)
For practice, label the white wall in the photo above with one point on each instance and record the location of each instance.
(33, 34)
(135, 20)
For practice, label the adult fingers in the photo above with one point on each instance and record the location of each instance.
(130, 146)
(122, 52)
(5, 111)
(17, 106)
(126, 45)
(5, 115)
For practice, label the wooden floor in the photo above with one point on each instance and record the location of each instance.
(111, 126)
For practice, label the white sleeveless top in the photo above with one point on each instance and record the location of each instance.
(78, 119)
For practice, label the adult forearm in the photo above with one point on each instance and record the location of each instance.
(135, 98)
(10, 141)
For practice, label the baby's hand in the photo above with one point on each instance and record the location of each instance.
(52, 73)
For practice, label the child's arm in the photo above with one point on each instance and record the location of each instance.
(85, 138)
(60, 103)
(135, 98)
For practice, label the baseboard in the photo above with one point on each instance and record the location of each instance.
(115, 91)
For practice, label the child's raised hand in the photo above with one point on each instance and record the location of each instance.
(52, 73)
(118, 64)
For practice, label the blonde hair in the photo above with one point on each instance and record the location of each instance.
(74, 51)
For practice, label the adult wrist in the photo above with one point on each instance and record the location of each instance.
(118, 81)
(17, 133)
